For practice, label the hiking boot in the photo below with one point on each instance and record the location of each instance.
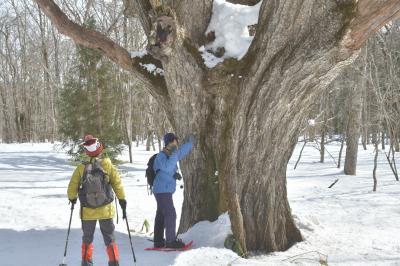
(177, 244)
(159, 244)
(87, 253)
(113, 254)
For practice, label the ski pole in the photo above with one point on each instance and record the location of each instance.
(66, 242)
(129, 233)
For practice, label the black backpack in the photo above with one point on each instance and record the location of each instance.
(150, 173)
(95, 190)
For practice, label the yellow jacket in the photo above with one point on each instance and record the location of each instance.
(107, 211)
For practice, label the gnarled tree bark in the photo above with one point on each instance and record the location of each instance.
(245, 114)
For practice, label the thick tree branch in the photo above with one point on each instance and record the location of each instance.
(353, 22)
(85, 37)
(339, 26)
(96, 40)
(370, 16)
(193, 17)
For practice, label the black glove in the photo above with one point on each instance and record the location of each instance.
(177, 176)
(73, 201)
(123, 203)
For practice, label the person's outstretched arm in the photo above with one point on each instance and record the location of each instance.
(168, 164)
(184, 149)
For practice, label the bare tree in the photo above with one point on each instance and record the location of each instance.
(353, 121)
(374, 175)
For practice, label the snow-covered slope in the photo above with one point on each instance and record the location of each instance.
(348, 223)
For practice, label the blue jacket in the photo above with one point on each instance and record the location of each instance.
(166, 167)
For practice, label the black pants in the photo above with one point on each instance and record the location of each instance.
(107, 229)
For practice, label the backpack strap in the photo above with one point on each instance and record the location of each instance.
(99, 166)
(158, 170)
(85, 168)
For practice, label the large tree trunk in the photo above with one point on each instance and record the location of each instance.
(247, 126)
(198, 114)
(245, 114)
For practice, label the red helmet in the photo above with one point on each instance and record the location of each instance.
(92, 146)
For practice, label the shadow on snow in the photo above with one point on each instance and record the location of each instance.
(46, 247)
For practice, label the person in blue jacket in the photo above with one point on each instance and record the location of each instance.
(166, 169)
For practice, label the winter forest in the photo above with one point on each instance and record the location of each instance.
(283, 122)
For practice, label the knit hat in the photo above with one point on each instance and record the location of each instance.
(92, 146)
(168, 138)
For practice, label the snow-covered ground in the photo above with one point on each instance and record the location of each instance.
(348, 223)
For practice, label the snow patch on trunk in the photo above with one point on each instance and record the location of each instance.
(311, 122)
(151, 68)
(138, 54)
(230, 24)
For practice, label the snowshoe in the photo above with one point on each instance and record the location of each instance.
(167, 249)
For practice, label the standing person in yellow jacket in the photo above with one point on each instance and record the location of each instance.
(95, 182)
